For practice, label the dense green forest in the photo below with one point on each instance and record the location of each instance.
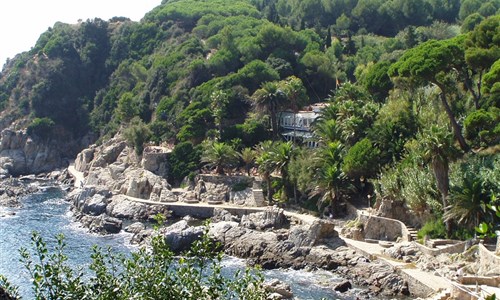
(413, 88)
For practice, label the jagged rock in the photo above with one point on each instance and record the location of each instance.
(220, 214)
(343, 287)
(83, 159)
(135, 227)
(141, 236)
(100, 224)
(154, 159)
(111, 225)
(22, 154)
(279, 287)
(273, 217)
(96, 205)
(180, 236)
(166, 195)
(121, 207)
(314, 234)
(12, 189)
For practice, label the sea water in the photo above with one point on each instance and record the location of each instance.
(48, 213)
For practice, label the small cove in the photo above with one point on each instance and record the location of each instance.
(48, 213)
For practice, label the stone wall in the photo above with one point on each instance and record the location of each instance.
(379, 228)
(218, 189)
(454, 248)
(489, 263)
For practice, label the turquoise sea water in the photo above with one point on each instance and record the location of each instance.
(49, 214)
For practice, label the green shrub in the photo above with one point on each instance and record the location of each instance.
(41, 127)
(137, 134)
(154, 273)
(433, 229)
(240, 186)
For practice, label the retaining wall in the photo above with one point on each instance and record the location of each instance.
(489, 263)
(455, 248)
(379, 228)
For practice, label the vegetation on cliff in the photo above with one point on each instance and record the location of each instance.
(412, 90)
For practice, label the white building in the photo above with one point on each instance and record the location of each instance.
(297, 126)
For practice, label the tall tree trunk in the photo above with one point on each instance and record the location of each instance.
(441, 168)
(468, 84)
(267, 178)
(274, 124)
(457, 130)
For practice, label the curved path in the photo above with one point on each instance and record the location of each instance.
(427, 282)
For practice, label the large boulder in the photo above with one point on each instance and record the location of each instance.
(180, 236)
(96, 205)
(273, 217)
(100, 224)
(83, 159)
(319, 232)
(121, 207)
(282, 289)
(135, 227)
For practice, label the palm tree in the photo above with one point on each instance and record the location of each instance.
(219, 99)
(296, 94)
(265, 165)
(280, 155)
(437, 146)
(219, 155)
(469, 201)
(269, 99)
(330, 180)
(327, 130)
(248, 157)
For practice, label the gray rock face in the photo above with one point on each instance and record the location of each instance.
(12, 189)
(273, 217)
(154, 159)
(95, 206)
(180, 236)
(314, 246)
(83, 159)
(120, 207)
(100, 224)
(282, 289)
(135, 227)
(20, 154)
(317, 233)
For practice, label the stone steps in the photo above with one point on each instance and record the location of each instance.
(413, 233)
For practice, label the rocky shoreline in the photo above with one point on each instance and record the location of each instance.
(111, 189)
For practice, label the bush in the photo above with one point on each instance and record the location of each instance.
(433, 229)
(184, 159)
(41, 127)
(361, 160)
(137, 134)
(146, 274)
(480, 126)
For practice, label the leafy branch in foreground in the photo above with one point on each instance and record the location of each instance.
(149, 273)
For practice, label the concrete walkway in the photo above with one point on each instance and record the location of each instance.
(430, 282)
(77, 175)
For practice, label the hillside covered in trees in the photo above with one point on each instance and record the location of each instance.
(412, 86)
